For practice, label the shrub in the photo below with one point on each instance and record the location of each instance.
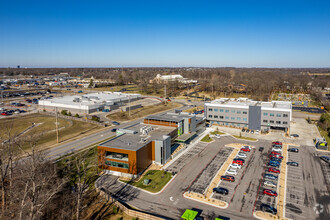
(69, 114)
(76, 115)
(64, 112)
(115, 210)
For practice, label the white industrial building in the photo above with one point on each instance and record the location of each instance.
(171, 78)
(88, 103)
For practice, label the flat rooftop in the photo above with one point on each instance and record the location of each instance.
(173, 117)
(245, 103)
(134, 142)
(90, 99)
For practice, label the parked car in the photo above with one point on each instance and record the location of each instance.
(235, 166)
(245, 149)
(270, 184)
(247, 131)
(261, 149)
(276, 156)
(277, 143)
(270, 192)
(228, 178)
(273, 170)
(247, 146)
(221, 190)
(277, 160)
(294, 135)
(295, 164)
(276, 149)
(252, 132)
(115, 123)
(4, 113)
(274, 164)
(270, 176)
(114, 130)
(217, 135)
(268, 208)
(325, 158)
(239, 162)
(296, 150)
(231, 172)
(243, 155)
(243, 130)
(275, 153)
(240, 159)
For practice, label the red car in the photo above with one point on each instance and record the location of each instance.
(270, 192)
(239, 162)
(276, 143)
(246, 149)
(228, 178)
(273, 170)
(275, 153)
(4, 113)
(276, 156)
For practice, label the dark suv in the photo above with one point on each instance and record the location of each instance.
(267, 208)
(261, 149)
(296, 150)
(221, 190)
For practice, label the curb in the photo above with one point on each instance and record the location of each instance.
(243, 139)
(206, 202)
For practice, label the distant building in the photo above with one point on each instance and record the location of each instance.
(246, 113)
(88, 103)
(172, 78)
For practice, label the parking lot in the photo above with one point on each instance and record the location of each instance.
(203, 180)
(232, 186)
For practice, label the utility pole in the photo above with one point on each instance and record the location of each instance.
(56, 123)
(129, 105)
(165, 92)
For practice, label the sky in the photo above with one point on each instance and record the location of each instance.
(165, 33)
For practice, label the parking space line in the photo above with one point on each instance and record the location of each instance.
(298, 191)
(297, 204)
(300, 216)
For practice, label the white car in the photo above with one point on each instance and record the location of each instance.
(235, 166)
(277, 149)
(217, 135)
(243, 155)
(269, 183)
(231, 171)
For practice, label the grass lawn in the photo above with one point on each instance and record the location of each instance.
(207, 138)
(217, 132)
(141, 112)
(245, 138)
(159, 179)
(191, 110)
(46, 130)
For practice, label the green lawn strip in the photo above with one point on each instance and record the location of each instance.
(159, 179)
(207, 138)
(245, 138)
(217, 132)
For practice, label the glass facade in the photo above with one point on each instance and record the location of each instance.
(116, 156)
(116, 164)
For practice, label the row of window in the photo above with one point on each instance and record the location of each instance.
(116, 164)
(227, 111)
(277, 115)
(227, 117)
(277, 122)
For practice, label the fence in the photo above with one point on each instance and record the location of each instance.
(75, 118)
(127, 210)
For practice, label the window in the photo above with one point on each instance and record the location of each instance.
(221, 110)
(116, 164)
(232, 111)
(221, 117)
(278, 122)
(227, 110)
(210, 109)
(238, 112)
(285, 123)
(238, 118)
(232, 118)
(216, 110)
(244, 113)
(210, 116)
(285, 115)
(116, 156)
(227, 117)
(265, 113)
(271, 114)
(271, 121)
(265, 121)
(215, 116)
(278, 115)
(244, 119)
